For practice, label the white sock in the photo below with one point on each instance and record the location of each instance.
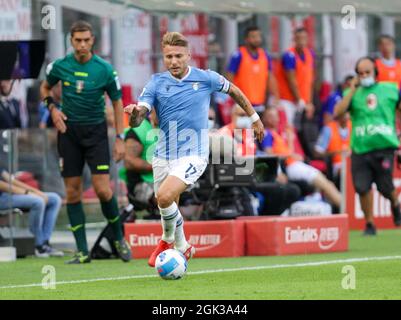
(181, 243)
(169, 217)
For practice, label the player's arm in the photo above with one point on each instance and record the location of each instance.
(245, 104)
(146, 100)
(118, 116)
(137, 114)
(342, 106)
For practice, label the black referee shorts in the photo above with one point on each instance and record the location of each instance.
(82, 143)
(373, 167)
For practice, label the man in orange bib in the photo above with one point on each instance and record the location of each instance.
(250, 69)
(388, 67)
(295, 77)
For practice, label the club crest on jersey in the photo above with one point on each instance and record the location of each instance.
(195, 86)
(371, 101)
(79, 86)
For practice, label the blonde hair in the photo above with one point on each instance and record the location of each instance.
(174, 39)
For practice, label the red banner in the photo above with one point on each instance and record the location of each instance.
(210, 238)
(381, 206)
(296, 235)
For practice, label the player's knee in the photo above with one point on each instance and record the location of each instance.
(73, 194)
(104, 194)
(165, 199)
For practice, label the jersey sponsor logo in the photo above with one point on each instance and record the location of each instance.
(81, 74)
(371, 101)
(195, 86)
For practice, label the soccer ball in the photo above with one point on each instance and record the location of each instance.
(171, 264)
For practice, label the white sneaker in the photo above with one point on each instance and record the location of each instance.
(41, 252)
(52, 252)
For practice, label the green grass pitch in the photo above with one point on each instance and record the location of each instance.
(376, 261)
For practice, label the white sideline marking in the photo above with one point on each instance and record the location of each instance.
(274, 266)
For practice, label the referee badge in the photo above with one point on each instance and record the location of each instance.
(79, 86)
(371, 101)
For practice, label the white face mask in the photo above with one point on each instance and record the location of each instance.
(367, 82)
(244, 123)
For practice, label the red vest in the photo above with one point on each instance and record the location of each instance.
(252, 76)
(304, 76)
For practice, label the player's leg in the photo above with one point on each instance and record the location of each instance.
(71, 164)
(383, 177)
(97, 155)
(161, 170)
(188, 170)
(362, 178)
(109, 205)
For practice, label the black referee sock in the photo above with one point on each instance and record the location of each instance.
(76, 216)
(110, 211)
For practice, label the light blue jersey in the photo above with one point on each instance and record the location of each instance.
(182, 107)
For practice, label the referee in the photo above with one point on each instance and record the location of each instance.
(82, 132)
(372, 106)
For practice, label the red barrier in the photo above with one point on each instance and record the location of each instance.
(381, 207)
(211, 238)
(296, 235)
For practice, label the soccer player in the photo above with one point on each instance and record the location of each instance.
(181, 97)
(82, 132)
(372, 106)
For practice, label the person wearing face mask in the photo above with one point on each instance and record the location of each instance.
(237, 129)
(372, 106)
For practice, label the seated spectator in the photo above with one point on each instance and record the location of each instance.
(327, 111)
(43, 210)
(334, 140)
(295, 168)
(10, 113)
(137, 171)
(276, 196)
(236, 129)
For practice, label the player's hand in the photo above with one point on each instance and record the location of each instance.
(59, 119)
(118, 150)
(259, 130)
(137, 114)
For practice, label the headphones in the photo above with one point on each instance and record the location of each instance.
(376, 70)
